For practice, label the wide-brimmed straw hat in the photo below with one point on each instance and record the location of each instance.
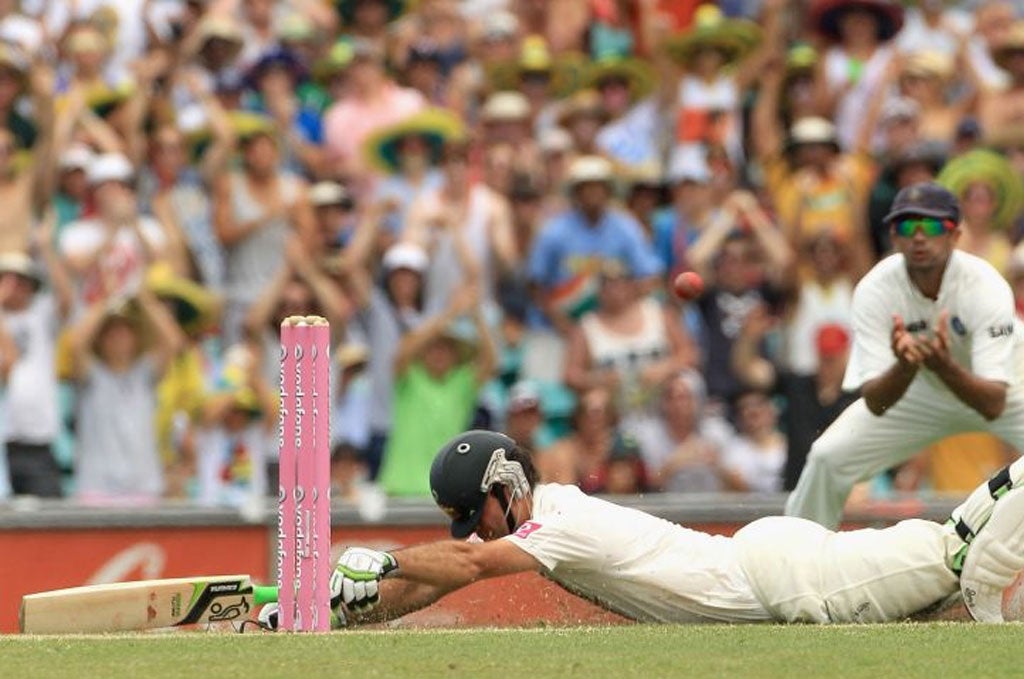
(21, 264)
(436, 126)
(823, 16)
(582, 103)
(994, 170)
(564, 70)
(195, 308)
(1011, 42)
(216, 26)
(346, 9)
(638, 74)
(734, 38)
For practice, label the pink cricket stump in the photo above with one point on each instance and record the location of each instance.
(285, 499)
(305, 447)
(321, 484)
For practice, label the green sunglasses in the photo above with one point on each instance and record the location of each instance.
(929, 226)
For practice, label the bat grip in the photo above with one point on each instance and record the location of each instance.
(264, 594)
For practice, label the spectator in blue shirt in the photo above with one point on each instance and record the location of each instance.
(570, 248)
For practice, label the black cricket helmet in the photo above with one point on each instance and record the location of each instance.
(465, 469)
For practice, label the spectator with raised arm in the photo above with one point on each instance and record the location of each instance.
(439, 369)
(117, 372)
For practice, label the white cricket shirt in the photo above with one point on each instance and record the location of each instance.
(983, 330)
(635, 564)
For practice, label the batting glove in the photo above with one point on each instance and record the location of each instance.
(357, 577)
(269, 618)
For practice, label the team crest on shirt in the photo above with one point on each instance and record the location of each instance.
(527, 528)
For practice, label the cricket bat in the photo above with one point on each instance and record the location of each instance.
(142, 605)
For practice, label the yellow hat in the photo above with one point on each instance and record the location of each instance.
(195, 308)
(734, 38)
(436, 125)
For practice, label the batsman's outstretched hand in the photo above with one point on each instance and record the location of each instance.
(356, 578)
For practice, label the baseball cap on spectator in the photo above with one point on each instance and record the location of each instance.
(367, 50)
(586, 169)
(924, 200)
(20, 264)
(899, 109)
(831, 340)
(506, 106)
(927, 64)
(295, 27)
(109, 167)
(555, 140)
(813, 130)
(405, 256)
(281, 59)
(325, 193)
(76, 157)
(500, 26)
(688, 164)
(523, 396)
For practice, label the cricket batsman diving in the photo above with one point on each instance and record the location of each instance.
(937, 350)
(652, 570)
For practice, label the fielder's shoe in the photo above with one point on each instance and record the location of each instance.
(994, 558)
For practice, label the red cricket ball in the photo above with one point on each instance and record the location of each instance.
(688, 286)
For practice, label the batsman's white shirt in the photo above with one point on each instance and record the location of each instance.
(779, 568)
(643, 567)
(982, 332)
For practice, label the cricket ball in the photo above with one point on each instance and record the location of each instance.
(688, 286)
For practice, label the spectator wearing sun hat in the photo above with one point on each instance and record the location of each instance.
(408, 154)
(860, 34)
(708, 95)
(26, 179)
(107, 253)
(31, 318)
(374, 101)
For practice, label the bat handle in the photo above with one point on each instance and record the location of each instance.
(264, 594)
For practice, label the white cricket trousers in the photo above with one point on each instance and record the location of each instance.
(859, 445)
(803, 572)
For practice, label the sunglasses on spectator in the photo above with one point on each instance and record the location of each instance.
(929, 226)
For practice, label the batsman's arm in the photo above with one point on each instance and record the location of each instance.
(430, 571)
(452, 564)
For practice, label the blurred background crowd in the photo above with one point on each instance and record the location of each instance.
(486, 199)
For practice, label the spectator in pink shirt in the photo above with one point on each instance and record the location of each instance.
(371, 101)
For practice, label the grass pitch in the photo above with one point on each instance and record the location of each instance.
(802, 651)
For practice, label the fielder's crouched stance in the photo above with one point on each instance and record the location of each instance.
(648, 569)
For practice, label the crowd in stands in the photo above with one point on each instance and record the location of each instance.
(487, 199)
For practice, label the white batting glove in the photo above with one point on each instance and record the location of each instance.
(270, 617)
(357, 577)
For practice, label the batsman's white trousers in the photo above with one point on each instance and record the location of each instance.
(802, 572)
(859, 445)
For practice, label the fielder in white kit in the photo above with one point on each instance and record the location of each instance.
(937, 350)
(782, 569)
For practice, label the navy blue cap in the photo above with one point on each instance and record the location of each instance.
(927, 199)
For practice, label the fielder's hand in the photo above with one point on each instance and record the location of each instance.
(357, 577)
